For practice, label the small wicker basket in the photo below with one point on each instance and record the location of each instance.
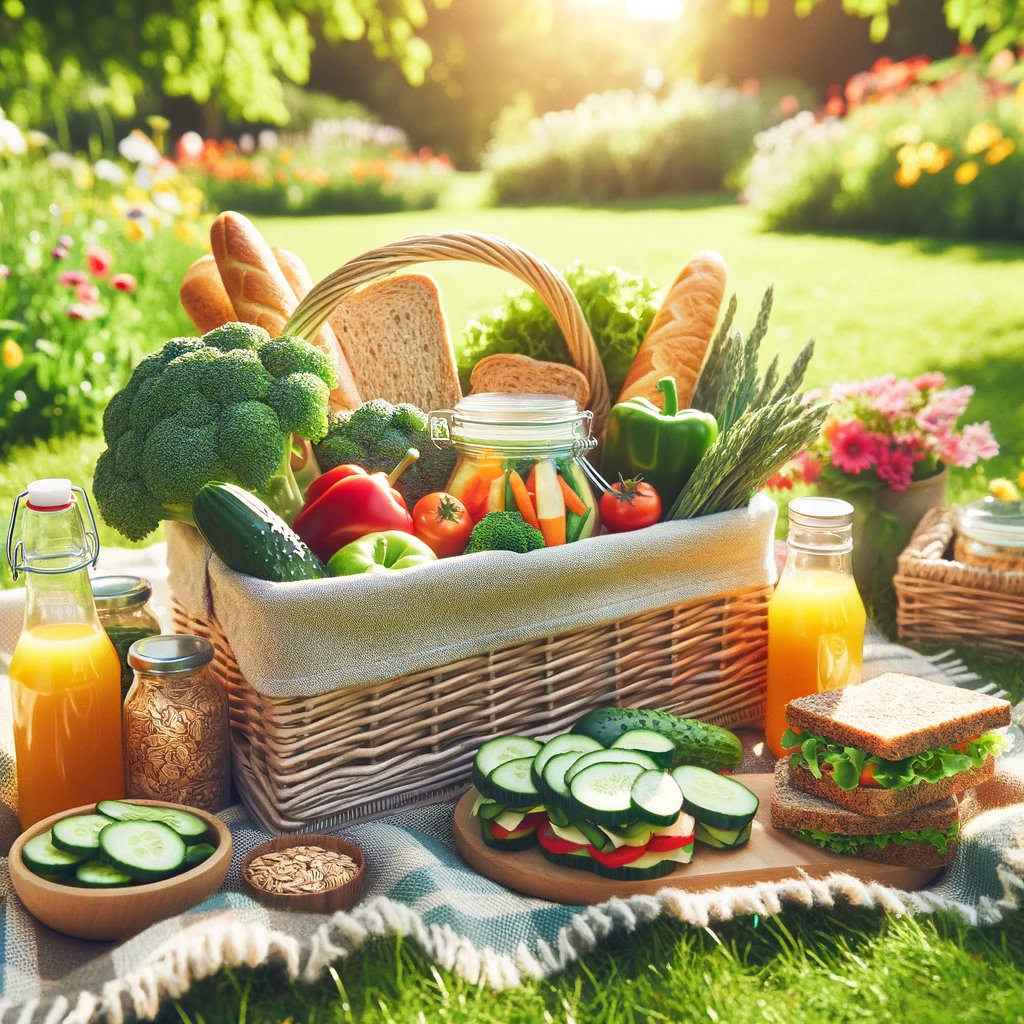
(941, 600)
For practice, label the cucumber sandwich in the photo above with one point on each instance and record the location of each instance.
(893, 744)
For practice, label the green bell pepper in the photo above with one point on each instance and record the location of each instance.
(378, 553)
(662, 446)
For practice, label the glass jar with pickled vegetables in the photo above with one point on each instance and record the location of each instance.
(526, 454)
(122, 604)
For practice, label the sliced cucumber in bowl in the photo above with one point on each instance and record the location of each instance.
(189, 826)
(43, 858)
(79, 834)
(147, 851)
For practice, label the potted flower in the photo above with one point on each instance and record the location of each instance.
(886, 448)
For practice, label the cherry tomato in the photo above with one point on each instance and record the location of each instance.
(442, 522)
(867, 775)
(630, 505)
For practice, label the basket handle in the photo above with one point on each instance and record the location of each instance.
(472, 247)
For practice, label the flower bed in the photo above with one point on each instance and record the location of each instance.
(909, 148)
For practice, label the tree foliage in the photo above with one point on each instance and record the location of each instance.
(61, 55)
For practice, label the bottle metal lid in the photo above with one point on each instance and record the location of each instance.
(170, 653)
(113, 592)
(49, 495)
(825, 513)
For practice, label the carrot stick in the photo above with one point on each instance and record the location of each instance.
(531, 480)
(572, 500)
(553, 530)
(523, 500)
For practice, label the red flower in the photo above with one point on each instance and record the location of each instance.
(99, 261)
(87, 292)
(854, 449)
(124, 282)
(779, 482)
(895, 466)
(808, 467)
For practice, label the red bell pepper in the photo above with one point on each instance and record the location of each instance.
(665, 844)
(528, 824)
(555, 844)
(619, 857)
(346, 503)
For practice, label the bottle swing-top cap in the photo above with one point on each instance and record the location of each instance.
(50, 495)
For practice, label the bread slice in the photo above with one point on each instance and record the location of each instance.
(396, 340)
(896, 715)
(793, 809)
(523, 375)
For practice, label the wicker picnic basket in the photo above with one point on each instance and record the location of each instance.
(347, 752)
(942, 600)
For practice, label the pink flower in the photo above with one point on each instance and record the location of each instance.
(978, 443)
(807, 466)
(66, 242)
(87, 292)
(854, 449)
(58, 252)
(927, 381)
(81, 311)
(789, 105)
(124, 282)
(894, 401)
(5, 271)
(71, 278)
(99, 261)
(895, 466)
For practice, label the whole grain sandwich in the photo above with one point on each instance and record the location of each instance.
(893, 744)
(925, 837)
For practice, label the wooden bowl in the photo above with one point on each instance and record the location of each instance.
(118, 913)
(342, 897)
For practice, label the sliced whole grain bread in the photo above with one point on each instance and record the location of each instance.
(519, 374)
(396, 340)
(879, 802)
(794, 810)
(895, 715)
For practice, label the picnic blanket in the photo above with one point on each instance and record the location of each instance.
(418, 887)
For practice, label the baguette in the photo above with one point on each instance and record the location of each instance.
(518, 373)
(203, 296)
(261, 295)
(679, 335)
(295, 273)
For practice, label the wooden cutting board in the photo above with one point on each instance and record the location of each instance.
(770, 856)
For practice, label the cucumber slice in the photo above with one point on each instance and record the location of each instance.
(595, 837)
(601, 792)
(43, 858)
(553, 786)
(198, 853)
(721, 839)
(94, 874)
(557, 816)
(512, 784)
(561, 745)
(656, 798)
(632, 873)
(655, 745)
(510, 845)
(79, 834)
(145, 850)
(189, 826)
(715, 800)
(579, 859)
(609, 757)
(497, 752)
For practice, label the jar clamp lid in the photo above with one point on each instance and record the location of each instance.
(999, 524)
(112, 592)
(170, 653)
(824, 513)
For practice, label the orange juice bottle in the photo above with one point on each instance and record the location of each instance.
(815, 617)
(65, 673)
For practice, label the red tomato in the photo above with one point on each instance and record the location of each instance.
(663, 844)
(961, 747)
(442, 523)
(617, 858)
(867, 775)
(555, 844)
(630, 505)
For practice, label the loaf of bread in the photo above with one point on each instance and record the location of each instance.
(395, 336)
(295, 273)
(260, 293)
(679, 336)
(203, 297)
(518, 373)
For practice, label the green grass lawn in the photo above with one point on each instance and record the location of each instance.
(874, 305)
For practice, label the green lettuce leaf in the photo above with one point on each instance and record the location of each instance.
(940, 839)
(845, 764)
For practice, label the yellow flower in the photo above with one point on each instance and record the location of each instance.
(941, 159)
(133, 231)
(966, 173)
(11, 354)
(981, 136)
(1005, 490)
(908, 155)
(907, 175)
(1000, 151)
(909, 133)
(1020, 480)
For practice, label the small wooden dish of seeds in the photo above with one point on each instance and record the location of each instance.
(315, 873)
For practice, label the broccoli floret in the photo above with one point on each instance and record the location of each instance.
(504, 531)
(377, 435)
(210, 408)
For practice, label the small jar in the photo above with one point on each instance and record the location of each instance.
(176, 725)
(991, 535)
(122, 603)
(539, 437)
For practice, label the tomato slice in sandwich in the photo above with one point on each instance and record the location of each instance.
(665, 844)
(555, 844)
(617, 858)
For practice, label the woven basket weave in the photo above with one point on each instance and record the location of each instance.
(359, 751)
(941, 600)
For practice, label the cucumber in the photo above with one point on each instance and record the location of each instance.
(496, 752)
(721, 839)
(512, 844)
(656, 745)
(578, 527)
(557, 816)
(656, 798)
(633, 873)
(580, 860)
(94, 874)
(252, 538)
(145, 850)
(554, 788)
(79, 834)
(512, 784)
(698, 743)
(561, 745)
(43, 858)
(197, 854)
(595, 836)
(601, 792)
(715, 800)
(609, 757)
(189, 826)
